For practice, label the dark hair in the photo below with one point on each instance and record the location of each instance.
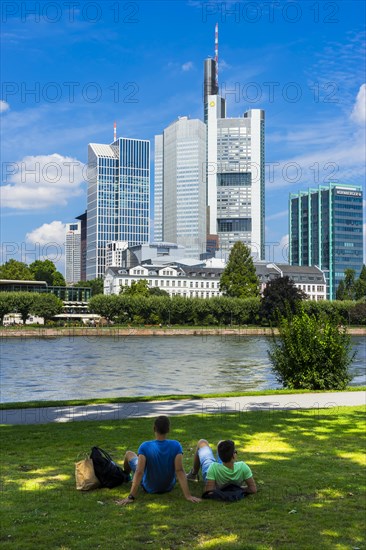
(162, 425)
(226, 450)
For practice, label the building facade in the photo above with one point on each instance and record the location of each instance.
(118, 198)
(326, 229)
(73, 253)
(180, 185)
(200, 281)
(235, 173)
(83, 219)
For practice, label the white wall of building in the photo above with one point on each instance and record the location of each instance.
(73, 253)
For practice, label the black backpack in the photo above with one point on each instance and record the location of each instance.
(229, 493)
(109, 474)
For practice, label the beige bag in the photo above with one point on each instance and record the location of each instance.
(85, 477)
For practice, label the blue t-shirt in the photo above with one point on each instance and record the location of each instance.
(159, 475)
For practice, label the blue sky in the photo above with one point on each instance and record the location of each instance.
(69, 69)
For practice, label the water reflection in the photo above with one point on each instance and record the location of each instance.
(85, 367)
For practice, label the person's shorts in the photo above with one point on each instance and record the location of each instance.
(206, 457)
(133, 463)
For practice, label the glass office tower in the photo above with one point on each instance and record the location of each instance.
(118, 198)
(180, 185)
(326, 230)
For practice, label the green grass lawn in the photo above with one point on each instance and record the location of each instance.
(309, 467)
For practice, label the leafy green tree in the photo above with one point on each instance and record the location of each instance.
(280, 297)
(156, 291)
(137, 288)
(96, 286)
(360, 284)
(16, 271)
(108, 307)
(45, 270)
(349, 284)
(311, 353)
(46, 306)
(6, 304)
(23, 303)
(239, 279)
(341, 291)
(58, 279)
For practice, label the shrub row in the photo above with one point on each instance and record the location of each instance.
(213, 311)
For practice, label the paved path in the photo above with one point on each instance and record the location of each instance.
(216, 405)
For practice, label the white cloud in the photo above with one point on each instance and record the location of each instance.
(188, 66)
(281, 250)
(358, 114)
(277, 215)
(49, 242)
(38, 182)
(53, 232)
(4, 106)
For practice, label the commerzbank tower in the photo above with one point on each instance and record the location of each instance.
(209, 177)
(235, 170)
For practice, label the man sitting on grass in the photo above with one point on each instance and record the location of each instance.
(217, 473)
(157, 465)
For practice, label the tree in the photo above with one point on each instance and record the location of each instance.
(360, 284)
(156, 291)
(45, 270)
(23, 303)
(16, 271)
(341, 290)
(6, 304)
(311, 353)
(137, 288)
(280, 297)
(239, 279)
(46, 306)
(105, 306)
(349, 284)
(96, 286)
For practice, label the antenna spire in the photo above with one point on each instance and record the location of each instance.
(115, 131)
(217, 53)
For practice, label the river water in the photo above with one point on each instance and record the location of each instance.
(82, 368)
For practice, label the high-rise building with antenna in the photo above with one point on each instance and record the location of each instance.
(235, 176)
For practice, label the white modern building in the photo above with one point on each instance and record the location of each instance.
(235, 173)
(73, 253)
(118, 198)
(114, 253)
(180, 185)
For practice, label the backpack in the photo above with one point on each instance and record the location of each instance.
(228, 493)
(109, 474)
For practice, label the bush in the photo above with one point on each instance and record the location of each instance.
(311, 353)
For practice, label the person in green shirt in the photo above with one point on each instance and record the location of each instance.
(217, 473)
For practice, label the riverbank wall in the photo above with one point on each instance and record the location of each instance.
(112, 332)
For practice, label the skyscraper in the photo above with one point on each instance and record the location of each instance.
(235, 172)
(180, 185)
(83, 224)
(73, 252)
(326, 230)
(158, 189)
(118, 198)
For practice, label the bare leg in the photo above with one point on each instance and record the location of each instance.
(128, 456)
(196, 458)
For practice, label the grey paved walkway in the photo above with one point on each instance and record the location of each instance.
(217, 405)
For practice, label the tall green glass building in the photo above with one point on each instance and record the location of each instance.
(326, 230)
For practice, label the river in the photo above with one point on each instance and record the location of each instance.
(83, 368)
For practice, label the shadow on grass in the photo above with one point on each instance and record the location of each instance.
(309, 468)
